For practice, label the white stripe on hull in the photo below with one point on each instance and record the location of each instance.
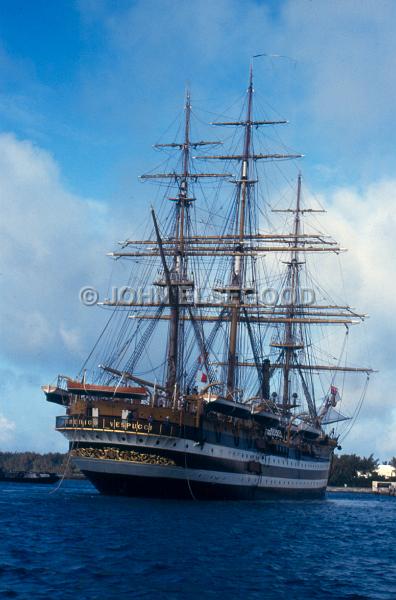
(126, 468)
(187, 447)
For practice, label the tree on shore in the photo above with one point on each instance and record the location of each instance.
(53, 462)
(353, 470)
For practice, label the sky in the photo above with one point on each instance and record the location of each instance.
(86, 88)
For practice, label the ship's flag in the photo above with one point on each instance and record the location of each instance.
(333, 390)
(204, 378)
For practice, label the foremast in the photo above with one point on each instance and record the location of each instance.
(175, 278)
(179, 268)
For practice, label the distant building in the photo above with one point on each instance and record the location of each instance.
(384, 487)
(387, 471)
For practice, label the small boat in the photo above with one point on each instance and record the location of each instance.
(28, 477)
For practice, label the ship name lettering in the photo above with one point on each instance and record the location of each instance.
(276, 433)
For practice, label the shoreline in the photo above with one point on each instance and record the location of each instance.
(355, 490)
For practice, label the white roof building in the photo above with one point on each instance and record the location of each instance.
(387, 471)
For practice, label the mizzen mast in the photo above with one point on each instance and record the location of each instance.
(290, 343)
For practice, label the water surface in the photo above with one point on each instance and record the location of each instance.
(76, 544)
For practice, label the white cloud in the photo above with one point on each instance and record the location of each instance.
(53, 243)
(7, 429)
(72, 339)
(365, 222)
(23, 406)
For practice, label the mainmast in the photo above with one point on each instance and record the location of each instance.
(236, 289)
(237, 277)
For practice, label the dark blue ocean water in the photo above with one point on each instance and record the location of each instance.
(76, 544)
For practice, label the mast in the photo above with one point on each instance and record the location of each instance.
(293, 280)
(240, 244)
(179, 260)
(290, 344)
(236, 288)
(175, 278)
(237, 277)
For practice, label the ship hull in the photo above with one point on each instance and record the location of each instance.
(150, 465)
(226, 480)
(112, 484)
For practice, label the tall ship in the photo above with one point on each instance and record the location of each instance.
(213, 377)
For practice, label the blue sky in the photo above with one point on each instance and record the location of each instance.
(88, 86)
